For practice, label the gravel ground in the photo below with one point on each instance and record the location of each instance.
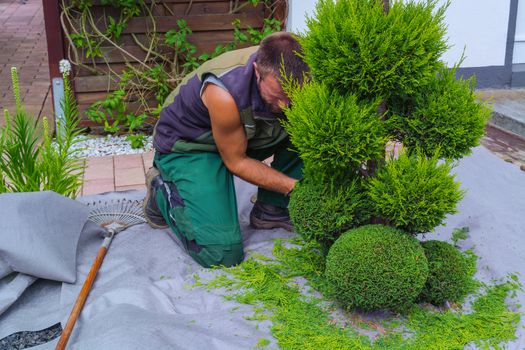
(27, 339)
(99, 146)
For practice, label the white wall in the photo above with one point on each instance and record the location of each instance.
(519, 46)
(298, 9)
(478, 26)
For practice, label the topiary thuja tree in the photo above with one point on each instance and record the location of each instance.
(376, 267)
(376, 77)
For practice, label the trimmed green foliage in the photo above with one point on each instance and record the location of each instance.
(302, 321)
(449, 274)
(352, 46)
(332, 133)
(322, 212)
(414, 193)
(444, 114)
(460, 234)
(376, 267)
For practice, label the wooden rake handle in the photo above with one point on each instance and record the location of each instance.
(81, 299)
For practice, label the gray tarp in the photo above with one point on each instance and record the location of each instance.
(39, 233)
(142, 297)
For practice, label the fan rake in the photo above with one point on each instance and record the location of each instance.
(117, 216)
(114, 217)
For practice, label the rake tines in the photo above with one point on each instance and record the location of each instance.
(119, 214)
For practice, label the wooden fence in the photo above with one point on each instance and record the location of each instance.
(210, 21)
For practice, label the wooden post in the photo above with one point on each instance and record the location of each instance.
(54, 36)
(281, 12)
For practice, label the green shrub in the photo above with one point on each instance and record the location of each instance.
(376, 267)
(444, 114)
(449, 274)
(321, 212)
(352, 46)
(414, 193)
(333, 133)
(29, 160)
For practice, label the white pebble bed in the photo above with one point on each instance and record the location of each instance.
(99, 146)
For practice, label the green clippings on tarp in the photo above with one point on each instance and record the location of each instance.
(302, 320)
(459, 234)
(262, 343)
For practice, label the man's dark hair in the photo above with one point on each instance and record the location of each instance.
(281, 48)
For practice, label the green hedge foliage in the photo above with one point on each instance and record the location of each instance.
(449, 274)
(444, 114)
(376, 267)
(321, 212)
(414, 193)
(333, 134)
(352, 46)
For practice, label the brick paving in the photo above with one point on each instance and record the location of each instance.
(506, 145)
(23, 45)
(116, 173)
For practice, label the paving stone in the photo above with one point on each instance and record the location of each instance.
(147, 159)
(97, 186)
(100, 160)
(99, 172)
(128, 161)
(129, 176)
(132, 187)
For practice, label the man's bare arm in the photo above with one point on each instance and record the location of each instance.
(231, 141)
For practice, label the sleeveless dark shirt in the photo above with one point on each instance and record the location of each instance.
(184, 124)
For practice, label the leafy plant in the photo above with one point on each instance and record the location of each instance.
(19, 160)
(376, 267)
(111, 111)
(414, 193)
(29, 160)
(321, 212)
(184, 50)
(130, 8)
(333, 133)
(137, 141)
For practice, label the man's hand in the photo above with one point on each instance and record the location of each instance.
(230, 138)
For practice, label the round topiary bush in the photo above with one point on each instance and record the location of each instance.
(321, 212)
(449, 274)
(376, 267)
(414, 193)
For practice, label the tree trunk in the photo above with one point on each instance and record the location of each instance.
(386, 5)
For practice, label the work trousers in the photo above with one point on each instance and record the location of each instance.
(198, 200)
